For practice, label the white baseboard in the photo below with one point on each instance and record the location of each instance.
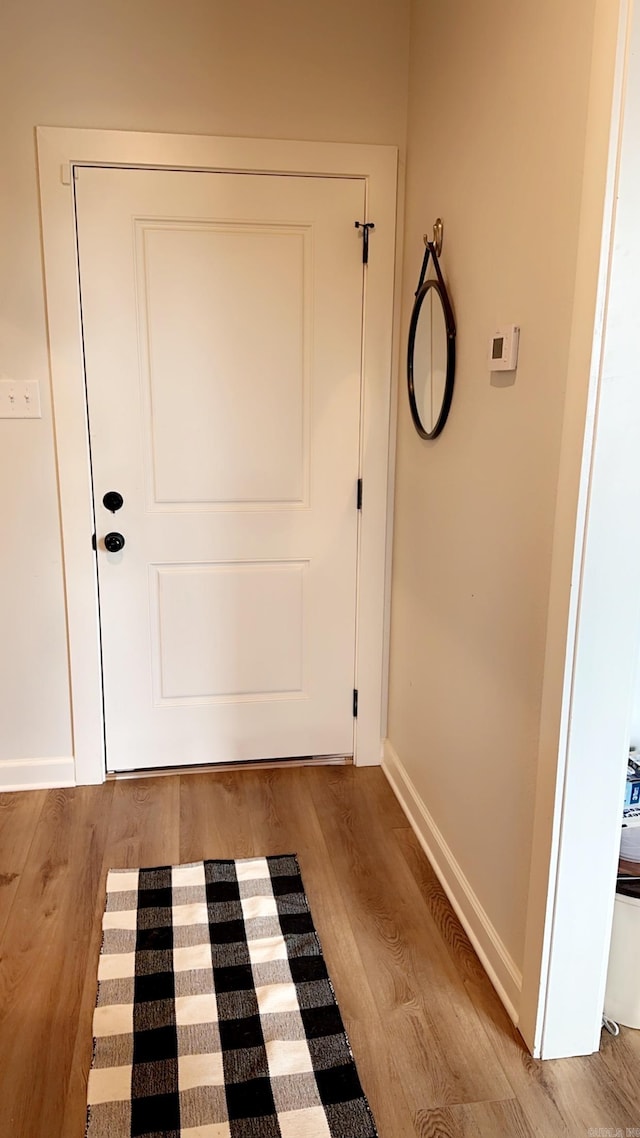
(499, 965)
(36, 774)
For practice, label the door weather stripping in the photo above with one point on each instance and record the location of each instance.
(355, 703)
(365, 226)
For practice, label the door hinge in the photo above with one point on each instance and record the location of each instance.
(365, 226)
(355, 703)
(359, 495)
(93, 541)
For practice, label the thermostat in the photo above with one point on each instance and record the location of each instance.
(503, 349)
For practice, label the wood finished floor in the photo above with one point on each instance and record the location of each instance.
(436, 1052)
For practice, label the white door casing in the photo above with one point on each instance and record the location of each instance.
(62, 153)
(222, 329)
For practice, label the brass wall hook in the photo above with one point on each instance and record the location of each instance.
(438, 236)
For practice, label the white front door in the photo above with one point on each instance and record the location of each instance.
(222, 321)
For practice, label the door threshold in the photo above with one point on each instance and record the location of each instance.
(251, 764)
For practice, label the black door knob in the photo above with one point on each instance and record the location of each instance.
(113, 500)
(114, 542)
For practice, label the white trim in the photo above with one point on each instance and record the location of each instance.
(36, 774)
(59, 148)
(398, 378)
(594, 600)
(499, 965)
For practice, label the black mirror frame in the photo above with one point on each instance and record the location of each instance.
(436, 283)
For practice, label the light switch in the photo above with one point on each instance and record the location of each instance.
(20, 399)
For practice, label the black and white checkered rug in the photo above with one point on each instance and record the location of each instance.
(215, 1015)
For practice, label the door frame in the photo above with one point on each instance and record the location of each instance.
(60, 149)
(594, 613)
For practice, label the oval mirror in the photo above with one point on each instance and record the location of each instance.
(431, 359)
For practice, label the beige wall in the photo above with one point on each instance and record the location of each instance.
(335, 71)
(495, 144)
(498, 98)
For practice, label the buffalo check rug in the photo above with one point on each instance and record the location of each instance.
(215, 1015)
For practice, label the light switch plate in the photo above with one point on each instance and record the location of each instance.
(20, 399)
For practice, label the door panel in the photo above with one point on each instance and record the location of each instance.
(222, 319)
(240, 394)
(257, 612)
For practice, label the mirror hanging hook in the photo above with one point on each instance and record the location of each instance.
(438, 236)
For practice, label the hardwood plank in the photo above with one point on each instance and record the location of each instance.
(379, 1078)
(271, 812)
(19, 815)
(440, 1050)
(214, 819)
(44, 960)
(444, 917)
(144, 827)
(620, 1060)
(436, 1052)
(284, 820)
(562, 1097)
(589, 1091)
(476, 1120)
(142, 831)
(381, 801)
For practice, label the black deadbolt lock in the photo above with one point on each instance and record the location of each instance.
(113, 500)
(114, 542)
